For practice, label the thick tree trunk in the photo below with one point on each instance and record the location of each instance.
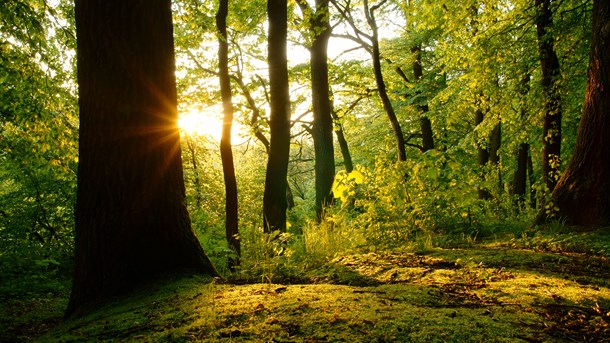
(274, 200)
(424, 121)
(551, 135)
(131, 216)
(226, 152)
(583, 192)
(381, 89)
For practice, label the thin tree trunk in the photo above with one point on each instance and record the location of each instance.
(193, 153)
(131, 217)
(495, 142)
(322, 130)
(274, 199)
(347, 156)
(381, 88)
(520, 176)
(530, 173)
(482, 156)
(551, 135)
(519, 182)
(226, 152)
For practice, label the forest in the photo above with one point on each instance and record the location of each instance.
(305, 171)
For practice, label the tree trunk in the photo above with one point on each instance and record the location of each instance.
(226, 152)
(347, 156)
(519, 182)
(381, 89)
(482, 156)
(322, 130)
(424, 121)
(274, 200)
(551, 135)
(520, 176)
(495, 142)
(582, 194)
(131, 216)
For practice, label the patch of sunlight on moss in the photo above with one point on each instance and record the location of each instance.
(455, 295)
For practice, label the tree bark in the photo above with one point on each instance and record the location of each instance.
(582, 195)
(551, 135)
(131, 218)
(274, 200)
(322, 128)
(226, 151)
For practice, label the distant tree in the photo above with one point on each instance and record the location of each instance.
(274, 199)
(322, 130)
(519, 181)
(427, 135)
(131, 217)
(582, 195)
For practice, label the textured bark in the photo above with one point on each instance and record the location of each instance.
(583, 192)
(226, 151)
(424, 121)
(131, 216)
(549, 64)
(381, 89)
(274, 200)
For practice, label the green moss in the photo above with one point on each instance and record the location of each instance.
(485, 293)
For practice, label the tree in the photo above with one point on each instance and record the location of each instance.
(422, 105)
(131, 217)
(582, 195)
(549, 63)
(372, 47)
(322, 130)
(226, 152)
(274, 199)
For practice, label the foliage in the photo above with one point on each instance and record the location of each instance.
(38, 146)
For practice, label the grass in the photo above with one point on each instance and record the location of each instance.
(501, 290)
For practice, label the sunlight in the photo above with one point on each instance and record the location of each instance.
(207, 121)
(202, 122)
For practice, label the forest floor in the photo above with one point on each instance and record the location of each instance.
(500, 291)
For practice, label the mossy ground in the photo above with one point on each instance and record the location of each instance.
(503, 291)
